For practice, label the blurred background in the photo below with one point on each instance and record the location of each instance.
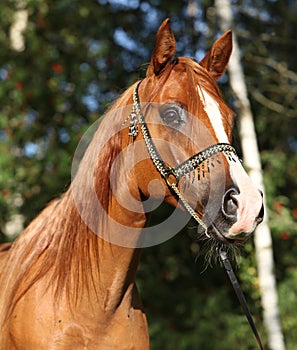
(62, 63)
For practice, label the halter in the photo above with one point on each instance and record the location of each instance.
(173, 175)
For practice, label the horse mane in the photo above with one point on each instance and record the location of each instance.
(57, 243)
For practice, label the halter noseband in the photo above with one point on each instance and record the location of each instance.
(169, 174)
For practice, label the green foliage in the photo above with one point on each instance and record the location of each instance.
(78, 56)
(288, 305)
(280, 182)
(189, 306)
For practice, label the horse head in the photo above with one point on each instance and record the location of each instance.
(180, 114)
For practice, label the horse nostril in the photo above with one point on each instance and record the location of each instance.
(230, 203)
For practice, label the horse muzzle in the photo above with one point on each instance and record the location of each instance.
(239, 216)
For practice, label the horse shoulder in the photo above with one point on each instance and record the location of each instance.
(86, 326)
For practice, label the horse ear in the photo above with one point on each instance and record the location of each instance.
(164, 49)
(216, 60)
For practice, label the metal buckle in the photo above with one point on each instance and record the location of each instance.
(171, 177)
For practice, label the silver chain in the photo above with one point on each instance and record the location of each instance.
(190, 210)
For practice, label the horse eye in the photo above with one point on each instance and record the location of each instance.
(172, 115)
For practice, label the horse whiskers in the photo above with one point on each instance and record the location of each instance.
(208, 246)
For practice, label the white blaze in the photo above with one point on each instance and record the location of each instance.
(249, 199)
(211, 108)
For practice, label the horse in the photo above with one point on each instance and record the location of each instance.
(68, 281)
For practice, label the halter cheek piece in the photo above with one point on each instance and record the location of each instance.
(169, 174)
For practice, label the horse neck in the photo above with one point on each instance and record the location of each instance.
(117, 244)
(117, 264)
(104, 224)
(80, 262)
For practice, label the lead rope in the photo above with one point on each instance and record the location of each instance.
(238, 291)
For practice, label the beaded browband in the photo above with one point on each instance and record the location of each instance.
(173, 175)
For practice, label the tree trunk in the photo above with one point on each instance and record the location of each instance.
(15, 225)
(251, 157)
(19, 24)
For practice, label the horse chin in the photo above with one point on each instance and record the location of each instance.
(214, 232)
(220, 236)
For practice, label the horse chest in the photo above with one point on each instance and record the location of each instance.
(122, 332)
(34, 325)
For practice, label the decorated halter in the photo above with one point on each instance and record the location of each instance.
(173, 175)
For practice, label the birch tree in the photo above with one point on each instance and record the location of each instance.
(18, 26)
(251, 157)
(17, 43)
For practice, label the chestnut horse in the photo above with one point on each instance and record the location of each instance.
(68, 281)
